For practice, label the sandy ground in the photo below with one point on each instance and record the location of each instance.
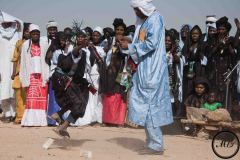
(104, 143)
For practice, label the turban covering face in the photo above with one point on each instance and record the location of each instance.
(210, 22)
(145, 6)
(9, 32)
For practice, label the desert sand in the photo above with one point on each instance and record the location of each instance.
(100, 143)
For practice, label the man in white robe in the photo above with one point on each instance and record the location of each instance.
(10, 33)
(149, 98)
(52, 29)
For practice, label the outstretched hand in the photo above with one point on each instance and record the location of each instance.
(124, 43)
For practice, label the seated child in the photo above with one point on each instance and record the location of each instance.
(216, 112)
(211, 103)
(194, 101)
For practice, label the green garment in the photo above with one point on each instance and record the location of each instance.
(211, 107)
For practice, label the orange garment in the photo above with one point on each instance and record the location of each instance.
(16, 85)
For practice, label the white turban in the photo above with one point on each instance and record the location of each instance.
(145, 6)
(33, 27)
(51, 24)
(99, 30)
(10, 31)
(4, 17)
(211, 19)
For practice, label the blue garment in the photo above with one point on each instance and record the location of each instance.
(53, 107)
(154, 135)
(150, 91)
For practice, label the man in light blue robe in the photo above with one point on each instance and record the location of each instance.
(149, 100)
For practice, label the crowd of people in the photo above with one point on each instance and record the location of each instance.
(139, 74)
(83, 75)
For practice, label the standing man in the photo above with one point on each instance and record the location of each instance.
(10, 33)
(52, 29)
(149, 101)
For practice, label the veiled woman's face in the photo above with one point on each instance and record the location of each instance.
(168, 43)
(195, 35)
(26, 34)
(35, 36)
(62, 42)
(185, 31)
(119, 30)
(80, 40)
(96, 37)
(222, 30)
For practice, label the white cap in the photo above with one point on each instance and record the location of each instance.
(98, 29)
(51, 24)
(33, 27)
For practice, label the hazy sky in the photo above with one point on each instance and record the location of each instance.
(103, 12)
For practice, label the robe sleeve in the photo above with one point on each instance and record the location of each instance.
(23, 67)
(153, 30)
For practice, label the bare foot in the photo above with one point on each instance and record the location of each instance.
(62, 133)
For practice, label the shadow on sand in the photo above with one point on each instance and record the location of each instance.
(133, 144)
(66, 144)
(173, 129)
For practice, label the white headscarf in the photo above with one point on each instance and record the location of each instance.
(145, 6)
(9, 32)
(99, 30)
(34, 27)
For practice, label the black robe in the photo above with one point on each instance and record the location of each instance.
(73, 97)
(108, 75)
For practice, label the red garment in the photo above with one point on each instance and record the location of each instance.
(36, 94)
(114, 109)
(35, 50)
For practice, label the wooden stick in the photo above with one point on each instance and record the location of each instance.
(233, 125)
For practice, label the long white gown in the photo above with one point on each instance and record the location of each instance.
(7, 46)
